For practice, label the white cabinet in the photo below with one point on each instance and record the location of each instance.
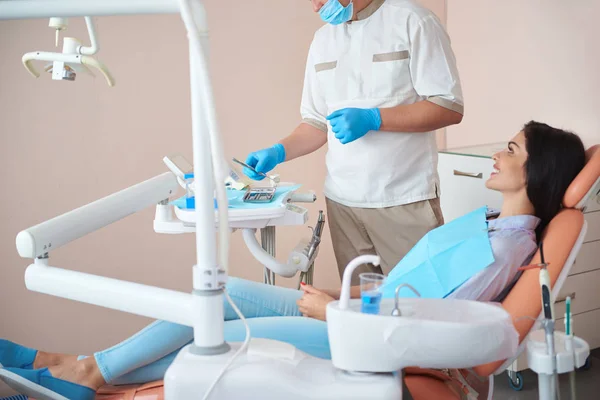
(463, 172)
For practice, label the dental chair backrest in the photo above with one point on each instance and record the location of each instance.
(562, 240)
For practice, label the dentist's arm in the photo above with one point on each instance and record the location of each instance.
(349, 124)
(434, 76)
(423, 116)
(304, 140)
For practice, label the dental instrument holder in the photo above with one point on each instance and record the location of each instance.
(550, 353)
(570, 353)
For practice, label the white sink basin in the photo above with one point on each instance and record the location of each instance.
(430, 333)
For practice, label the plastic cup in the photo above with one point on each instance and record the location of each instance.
(370, 292)
(190, 199)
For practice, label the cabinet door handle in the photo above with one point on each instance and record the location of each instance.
(469, 174)
(563, 299)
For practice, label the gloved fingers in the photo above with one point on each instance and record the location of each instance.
(336, 128)
(253, 175)
(265, 164)
(252, 160)
(335, 114)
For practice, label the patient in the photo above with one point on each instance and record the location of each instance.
(532, 173)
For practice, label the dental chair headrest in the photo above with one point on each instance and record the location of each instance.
(583, 185)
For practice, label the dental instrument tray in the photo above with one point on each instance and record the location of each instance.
(259, 195)
(249, 215)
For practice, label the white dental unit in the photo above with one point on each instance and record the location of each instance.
(173, 219)
(368, 351)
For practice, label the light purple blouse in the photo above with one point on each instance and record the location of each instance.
(513, 244)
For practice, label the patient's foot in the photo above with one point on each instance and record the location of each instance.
(43, 359)
(83, 372)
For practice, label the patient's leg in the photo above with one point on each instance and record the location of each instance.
(259, 300)
(306, 334)
(161, 338)
(43, 359)
(148, 345)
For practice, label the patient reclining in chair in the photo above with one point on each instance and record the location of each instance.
(532, 173)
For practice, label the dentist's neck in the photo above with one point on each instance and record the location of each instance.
(516, 203)
(359, 5)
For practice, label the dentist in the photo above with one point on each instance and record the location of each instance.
(380, 78)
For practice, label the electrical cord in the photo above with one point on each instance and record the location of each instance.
(237, 353)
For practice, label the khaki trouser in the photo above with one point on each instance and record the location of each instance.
(388, 232)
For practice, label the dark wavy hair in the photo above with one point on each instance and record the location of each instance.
(555, 157)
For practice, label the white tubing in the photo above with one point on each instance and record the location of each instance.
(352, 265)
(194, 18)
(56, 232)
(285, 270)
(203, 170)
(237, 353)
(94, 47)
(208, 308)
(148, 301)
(205, 141)
(10, 9)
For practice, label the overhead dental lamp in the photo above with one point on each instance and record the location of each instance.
(75, 57)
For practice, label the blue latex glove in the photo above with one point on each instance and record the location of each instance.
(264, 161)
(349, 124)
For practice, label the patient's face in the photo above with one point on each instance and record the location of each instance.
(509, 167)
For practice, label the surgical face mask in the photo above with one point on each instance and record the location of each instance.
(334, 13)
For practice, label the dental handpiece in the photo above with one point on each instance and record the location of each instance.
(547, 305)
(319, 228)
(316, 237)
(548, 309)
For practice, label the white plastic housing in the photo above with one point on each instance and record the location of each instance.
(273, 370)
(25, 9)
(430, 333)
(238, 218)
(52, 234)
(149, 301)
(299, 257)
(571, 352)
(207, 308)
(309, 197)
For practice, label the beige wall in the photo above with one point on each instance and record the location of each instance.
(522, 60)
(64, 144)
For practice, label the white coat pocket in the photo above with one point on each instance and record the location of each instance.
(326, 78)
(390, 74)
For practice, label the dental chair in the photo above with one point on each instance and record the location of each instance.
(562, 238)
